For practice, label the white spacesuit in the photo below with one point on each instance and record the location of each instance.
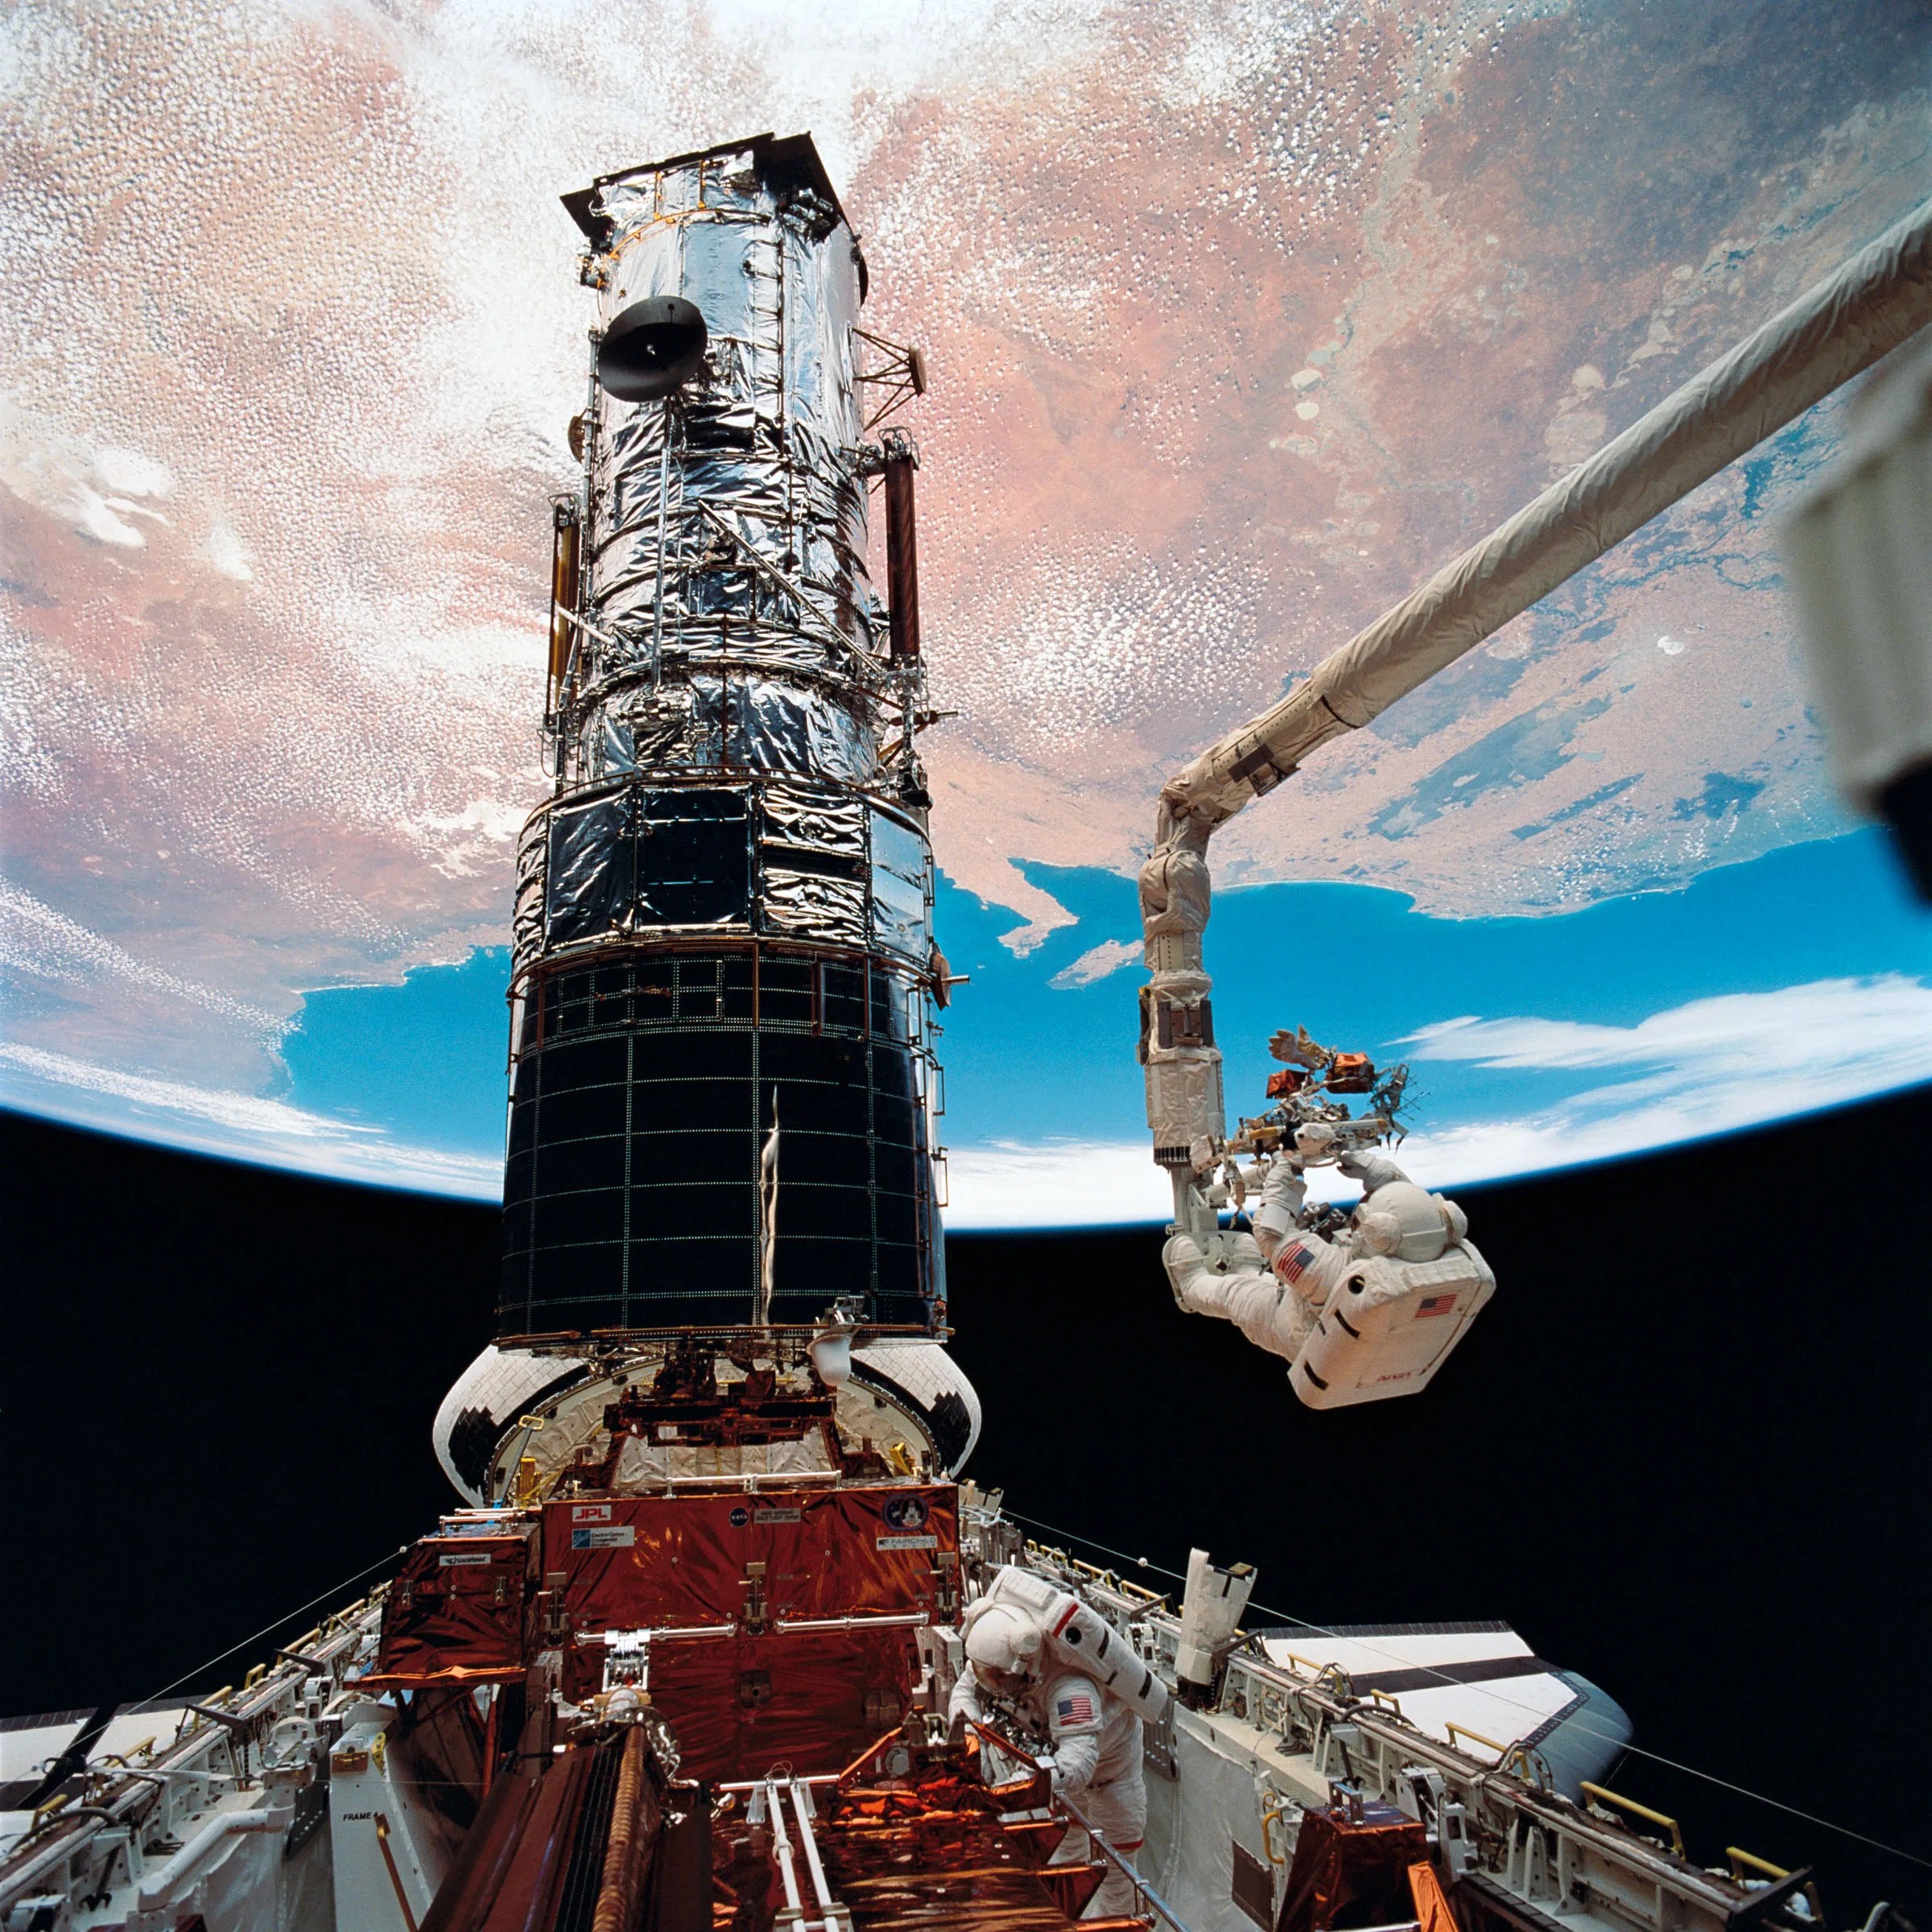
(1014, 1665)
(1274, 1286)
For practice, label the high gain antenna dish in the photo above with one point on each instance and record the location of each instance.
(651, 349)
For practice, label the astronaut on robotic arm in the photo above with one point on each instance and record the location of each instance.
(1018, 1680)
(1273, 1287)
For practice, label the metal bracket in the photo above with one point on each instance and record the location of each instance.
(903, 375)
(1769, 1902)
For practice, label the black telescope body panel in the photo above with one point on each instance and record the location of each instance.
(642, 1106)
(646, 858)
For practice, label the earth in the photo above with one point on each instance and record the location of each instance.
(1241, 319)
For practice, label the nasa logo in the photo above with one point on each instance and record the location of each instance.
(740, 1517)
(906, 1512)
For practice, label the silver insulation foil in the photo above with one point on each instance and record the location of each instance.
(815, 824)
(729, 522)
(803, 905)
(735, 647)
(726, 722)
(900, 888)
(601, 864)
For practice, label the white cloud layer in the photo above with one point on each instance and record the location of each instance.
(235, 1126)
(38, 943)
(1708, 1067)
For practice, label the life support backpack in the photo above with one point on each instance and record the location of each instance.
(1389, 1326)
(1078, 1637)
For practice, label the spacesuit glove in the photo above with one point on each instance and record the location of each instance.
(1371, 1167)
(1285, 1186)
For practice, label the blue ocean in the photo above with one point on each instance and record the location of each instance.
(1030, 1061)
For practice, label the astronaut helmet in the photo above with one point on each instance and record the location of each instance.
(1403, 1221)
(1002, 1644)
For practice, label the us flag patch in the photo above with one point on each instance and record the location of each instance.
(1076, 1707)
(1435, 1304)
(1292, 1263)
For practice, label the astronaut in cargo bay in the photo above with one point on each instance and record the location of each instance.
(1014, 1672)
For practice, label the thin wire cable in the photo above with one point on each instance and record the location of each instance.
(287, 1617)
(1710, 1778)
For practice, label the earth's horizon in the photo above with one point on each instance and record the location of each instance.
(1240, 320)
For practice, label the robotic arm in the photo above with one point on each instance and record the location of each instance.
(1841, 326)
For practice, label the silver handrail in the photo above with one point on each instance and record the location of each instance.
(1098, 1839)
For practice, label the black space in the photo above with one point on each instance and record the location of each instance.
(1682, 1451)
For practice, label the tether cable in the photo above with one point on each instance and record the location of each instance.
(287, 1616)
